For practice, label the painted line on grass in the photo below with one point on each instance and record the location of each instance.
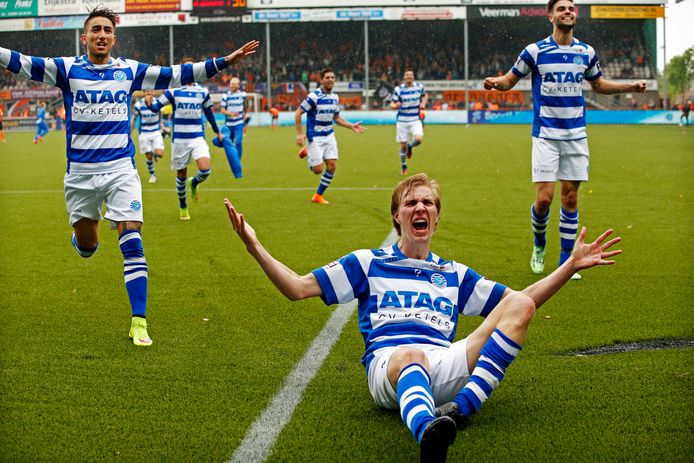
(173, 190)
(260, 438)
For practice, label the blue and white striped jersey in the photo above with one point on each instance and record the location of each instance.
(405, 301)
(410, 98)
(150, 121)
(234, 102)
(321, 109)
(97, 101)
(188, 103)
(557, 83)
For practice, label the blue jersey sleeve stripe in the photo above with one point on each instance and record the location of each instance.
(355, 275)
(328, 296)
(210, 68)
(139, 76)
(595, 77)
(37, 69)
(220, 64)
(187, 75)
(15, 64)
(164, 78)
(467, 288)
(494, 299)
(517, 72)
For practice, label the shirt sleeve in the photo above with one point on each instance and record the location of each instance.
(478, 295)
(46, 70)
(149, 77)
(308, 104)
(593, 72)
(342, 280)
(524, 64)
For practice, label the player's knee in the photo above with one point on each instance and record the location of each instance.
(406, 356)
(543, 201)
(521, 308)
(317, 169)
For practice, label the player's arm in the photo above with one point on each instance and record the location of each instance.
(47, 70)
(156, 104)
(133, 120)
(503, 83)
(289, 283)
(425, 100)
(300, 137)
(209, 115)
(609, 87)
(148, 77)
(584, 255)
(356, 127)
(395, 100)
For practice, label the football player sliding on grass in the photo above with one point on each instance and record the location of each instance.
(409, 303)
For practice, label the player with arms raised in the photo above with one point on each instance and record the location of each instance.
(409, 303)
(559, 64)
(409, 98)
(97, 90)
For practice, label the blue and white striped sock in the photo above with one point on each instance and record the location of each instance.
(539, 226)
(83, 252)
(568, 228)
(497, 354)
(201, 176)
(150, 166)
(415, 398)
(134, 271)
(403, 159)
(181, 191)
(325, 180)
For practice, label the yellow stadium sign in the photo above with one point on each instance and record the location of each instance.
(626, 12)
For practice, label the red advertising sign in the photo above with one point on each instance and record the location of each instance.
(151, 6)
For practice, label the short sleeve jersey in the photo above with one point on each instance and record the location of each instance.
(410, 98)
(405, 301)
(320, 108)
(558, 72)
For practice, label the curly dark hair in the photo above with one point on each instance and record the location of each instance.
(101, 11)
(551, 3)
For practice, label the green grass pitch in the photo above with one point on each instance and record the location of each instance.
(74, 388)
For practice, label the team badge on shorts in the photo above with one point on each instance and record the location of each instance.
(119, 76)
(135, 205)
(438, 280)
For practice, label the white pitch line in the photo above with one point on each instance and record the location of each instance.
(260, 438)
(169, 190)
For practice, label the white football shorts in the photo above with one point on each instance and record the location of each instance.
(322, 148)
(183, 151)
(447, 368)
(560, 160)
(150, 142)
(406, 131)
(121, 191)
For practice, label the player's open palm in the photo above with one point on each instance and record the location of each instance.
(244, 230)
(586, 255)
(247, 49)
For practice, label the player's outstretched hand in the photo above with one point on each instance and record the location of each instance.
(640, 86)
(246, 50)
(586, 255)
(244, 230)
(358, 128)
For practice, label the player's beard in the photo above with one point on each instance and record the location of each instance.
(565, 28)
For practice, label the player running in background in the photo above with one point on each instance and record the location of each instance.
(97, 91)
(322, 109)
(233, 106)
(41, 125)
(409, 98)
(409, 303)
(188, 141)
(559, 64)
(150, 138)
